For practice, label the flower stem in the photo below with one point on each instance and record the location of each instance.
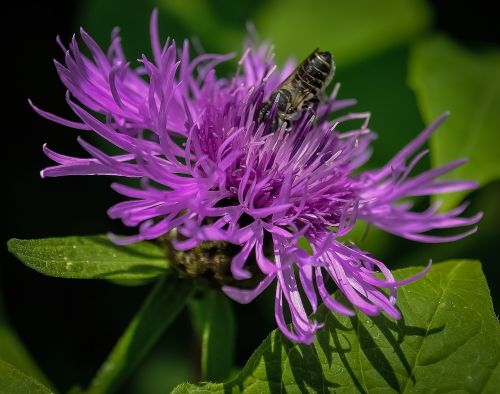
(162, 305)
(213, 319)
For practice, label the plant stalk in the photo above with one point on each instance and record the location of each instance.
(161, 307)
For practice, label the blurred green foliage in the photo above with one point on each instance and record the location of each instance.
(14, 353)
(447, 77)
(351, 30)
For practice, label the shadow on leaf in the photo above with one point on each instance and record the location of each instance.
(337, 359)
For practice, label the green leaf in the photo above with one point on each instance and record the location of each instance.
(161, 307)
(13, 381)
(447, 341)
(13, 352)
(91, 257)
(448, 77)
(351, 30)
(213, 319)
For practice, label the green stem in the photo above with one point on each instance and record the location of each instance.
(161, 307)
(213, 319)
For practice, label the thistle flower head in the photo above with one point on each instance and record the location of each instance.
(211, 172)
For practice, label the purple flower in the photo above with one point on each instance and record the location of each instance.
(210, 171)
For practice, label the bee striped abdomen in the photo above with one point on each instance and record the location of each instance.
(302, 88)
(309, 81)
(316, 69)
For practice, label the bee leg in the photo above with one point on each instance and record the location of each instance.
(288, 125)
(287, 120)
(275, 124)
(311, 111)
(263, 111)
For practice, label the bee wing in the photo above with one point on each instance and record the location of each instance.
(291, 76)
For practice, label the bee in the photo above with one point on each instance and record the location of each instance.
(303, 88)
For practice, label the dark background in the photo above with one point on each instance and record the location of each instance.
(69, 326)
